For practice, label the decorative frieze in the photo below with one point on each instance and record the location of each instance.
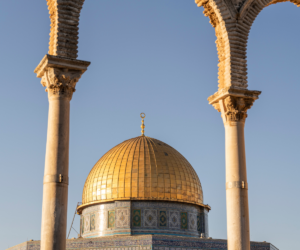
(148, 217)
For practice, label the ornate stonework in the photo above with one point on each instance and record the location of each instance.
(87, 223)
(59, 75)
(232, 20)
(192, 221)
(150, 218)
(144, 217)
(64, 16)
(233, 103)
(236, 108)
(123, 217)
(60, 82)
(174, 219)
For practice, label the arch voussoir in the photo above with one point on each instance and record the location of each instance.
(232, 23)
(230, 43)
(248, 14)
(64, 16)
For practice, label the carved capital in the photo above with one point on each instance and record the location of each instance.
(235, 108)
(60, 75)
(60, 82)
(233, 103)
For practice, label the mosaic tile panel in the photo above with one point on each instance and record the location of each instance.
(150, 218)
(93, 222)
(198, 223)
(81, 224)
(111, 219)
(163, 219)
(87, 223)
(136, 218)
(174, 219)
(192, 222)
(206, 223)
(166, 205)
(98, 215)
(184, 220)
(122, 217)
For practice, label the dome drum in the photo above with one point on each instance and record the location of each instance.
(144, 217)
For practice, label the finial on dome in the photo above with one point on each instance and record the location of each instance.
(143, 125)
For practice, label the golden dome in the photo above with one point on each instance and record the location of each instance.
(142, 168)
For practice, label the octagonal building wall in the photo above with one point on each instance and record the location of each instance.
(144, 217)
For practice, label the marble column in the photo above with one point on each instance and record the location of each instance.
(59, 76)
(233, 105)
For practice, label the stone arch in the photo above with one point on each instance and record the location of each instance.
(232, 20)
(250, 11)
(223, 14)
(232, 35)
(64, 16)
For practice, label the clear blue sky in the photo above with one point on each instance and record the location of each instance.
(157, 57)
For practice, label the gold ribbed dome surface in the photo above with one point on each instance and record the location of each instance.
(142, 168)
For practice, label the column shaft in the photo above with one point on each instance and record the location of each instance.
(59, 75)
(55, 189)
(233, 104)
(238, 231)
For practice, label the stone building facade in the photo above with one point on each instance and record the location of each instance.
(144, 242)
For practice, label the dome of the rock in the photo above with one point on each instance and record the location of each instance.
(142, 168)
(143, 186)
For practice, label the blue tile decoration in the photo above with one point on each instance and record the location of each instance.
(150, 218)
(82, 224)
(136, 217)
(163, 220)
(174, 220)
(111, 219)
(93, 222)
(192, 221)
(184, 220)
(123, 217)
(156, 217)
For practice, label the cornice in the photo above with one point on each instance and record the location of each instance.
(50, 61)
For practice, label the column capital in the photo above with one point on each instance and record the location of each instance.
(60, 75)
(233, 103)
